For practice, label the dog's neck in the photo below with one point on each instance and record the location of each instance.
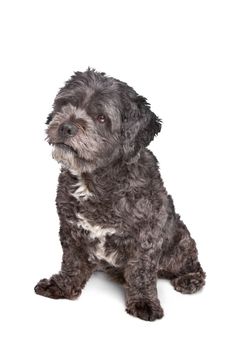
(105, 179)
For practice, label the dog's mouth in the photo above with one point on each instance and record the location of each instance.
(66, 147)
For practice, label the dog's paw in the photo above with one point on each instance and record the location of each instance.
(50, 289)
(189, 283)
(145, 309)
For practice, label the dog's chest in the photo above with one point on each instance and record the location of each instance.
(95, 230)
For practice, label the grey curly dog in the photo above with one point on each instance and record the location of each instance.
(115, 213)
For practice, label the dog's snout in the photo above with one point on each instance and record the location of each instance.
(67, 129)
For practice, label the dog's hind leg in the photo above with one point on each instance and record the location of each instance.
(181, 264)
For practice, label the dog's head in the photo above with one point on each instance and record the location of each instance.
(97, 120)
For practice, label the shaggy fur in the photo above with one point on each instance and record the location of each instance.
(115, 213)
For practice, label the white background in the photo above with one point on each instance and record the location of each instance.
(179, 55)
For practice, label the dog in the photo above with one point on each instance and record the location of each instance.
(115, 213)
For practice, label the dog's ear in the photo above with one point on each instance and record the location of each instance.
(140, 125)
(49, 118)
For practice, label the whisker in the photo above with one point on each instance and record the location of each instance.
(81, 127)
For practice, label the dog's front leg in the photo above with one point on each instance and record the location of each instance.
(140, 286)
(75, 271)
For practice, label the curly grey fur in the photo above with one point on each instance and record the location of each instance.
(115, 213)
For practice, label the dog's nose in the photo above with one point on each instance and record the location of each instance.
(67, 129)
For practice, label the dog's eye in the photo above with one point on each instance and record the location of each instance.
(101, 118)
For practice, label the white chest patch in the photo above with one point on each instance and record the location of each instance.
(97, 231)
(81, 191)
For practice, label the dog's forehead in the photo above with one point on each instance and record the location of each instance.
(71, 110)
